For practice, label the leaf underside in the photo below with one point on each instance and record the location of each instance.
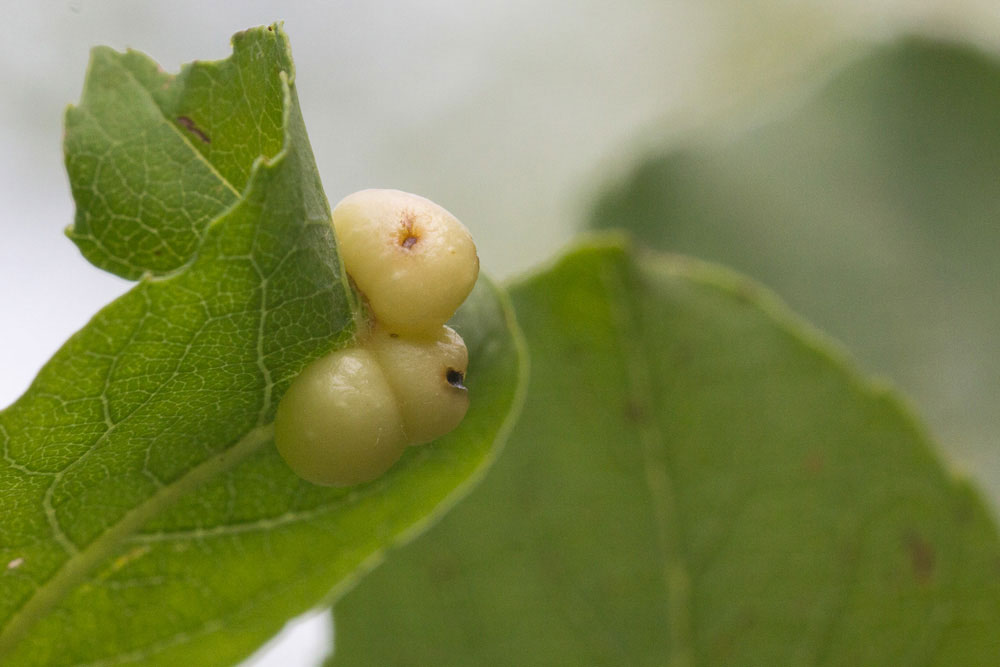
(146, 516)
(695, 479)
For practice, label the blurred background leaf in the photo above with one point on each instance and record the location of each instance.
(695, 479)
(874, 209)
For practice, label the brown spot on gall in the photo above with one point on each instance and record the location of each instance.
(408, 234)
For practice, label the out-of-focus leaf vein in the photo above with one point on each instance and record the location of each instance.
(676, 579)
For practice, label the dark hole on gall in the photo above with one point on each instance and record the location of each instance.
(455, 378)
(409, 241)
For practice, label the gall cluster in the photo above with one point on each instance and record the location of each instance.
(351, 414)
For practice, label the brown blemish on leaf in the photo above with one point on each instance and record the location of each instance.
(727, 643)
(635, 411)
(849, 553)
(963, 510)
(922, 556)
(814, 463)
(191, 127)
(444, 569)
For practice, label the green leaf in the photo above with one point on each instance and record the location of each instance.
(146, 516)
(871, 206)
(696, 479)
(153, 158)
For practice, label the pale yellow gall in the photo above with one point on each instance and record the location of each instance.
(412, 259)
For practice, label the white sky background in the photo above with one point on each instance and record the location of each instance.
(507, 112)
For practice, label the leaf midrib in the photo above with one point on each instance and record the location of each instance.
(75, 569)
(82, 561)
(676, 573)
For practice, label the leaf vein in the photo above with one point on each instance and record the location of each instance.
(176, 131)
(76, 569)
(676, 576)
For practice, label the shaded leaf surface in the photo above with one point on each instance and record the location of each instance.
(872, 208)
(695, 479)
(146, 516)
